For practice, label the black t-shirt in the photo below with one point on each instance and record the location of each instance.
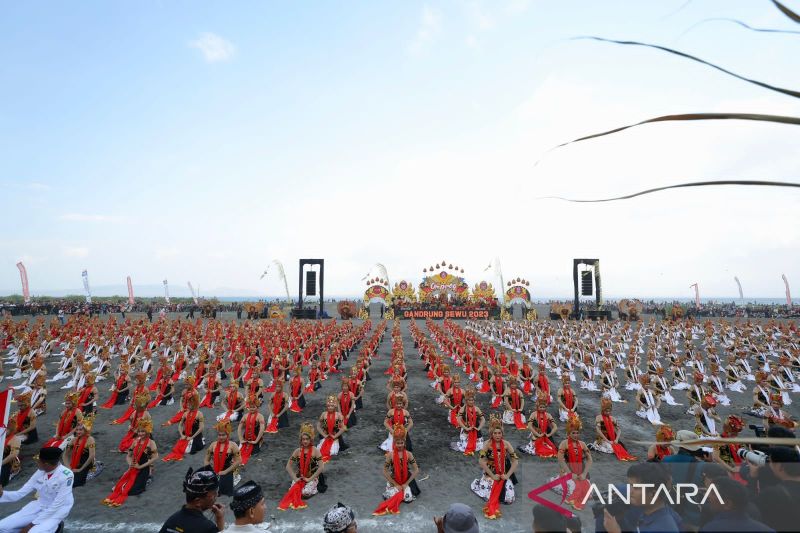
(188, 521)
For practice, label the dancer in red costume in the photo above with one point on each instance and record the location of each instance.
(331, 428)
(567, 400)
(471, 421)
(224, 457)
(514, 403)
(400, 469)
(141, 456)
(251, 429)
(305, 467)
(190, 433)
(189, 392)
(278, 406)
(608, 433)
(454, 400)
(574, 458)
(499, 461)
(657, 452)
(69, 420)
(542, 427)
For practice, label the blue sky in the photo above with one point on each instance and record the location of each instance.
(199, 141)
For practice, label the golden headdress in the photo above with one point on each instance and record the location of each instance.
(495, 422)
(399, 432)
(605, 403)
(470, 393)
(224, 426)
(72, 397)
(88, 422)
(193, 401)
(141, 400)
(542, 399)
(665, 433)
(146, 424)
(776, 398)
(91, 378)
(24, 398)
(253, 401)
(190, 380)
(761, 375)
(307, 429)
(331, 400)
(574, 423)
(141, 376)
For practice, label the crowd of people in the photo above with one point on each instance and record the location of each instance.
(534, 376)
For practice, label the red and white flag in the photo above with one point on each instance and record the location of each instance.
(5, 410)
(788, 292)
(23, 276)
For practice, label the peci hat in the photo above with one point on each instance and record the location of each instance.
(246, 497)
(684, 435)
(460, 519)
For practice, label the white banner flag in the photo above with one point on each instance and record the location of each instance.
(194, 295)
(739, 284)
(166, 291)
(85, 276)
(696, 295)
(23, 276)
(130, 291)
(788, 292)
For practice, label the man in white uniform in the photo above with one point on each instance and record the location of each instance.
(53, 484)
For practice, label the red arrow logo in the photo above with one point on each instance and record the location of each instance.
(534, 494)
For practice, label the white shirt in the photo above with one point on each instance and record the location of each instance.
(54, 493)
(248, 528)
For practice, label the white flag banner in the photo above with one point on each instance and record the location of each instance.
(739, 284)
(191, 290)
(166, 291)
(788, 292)
(696, 294)
(130, 291)
(85, 276)
(23, 276)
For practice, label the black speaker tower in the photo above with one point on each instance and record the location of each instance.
(311, 278)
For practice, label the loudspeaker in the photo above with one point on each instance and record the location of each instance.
(311, 283)
(586, 283)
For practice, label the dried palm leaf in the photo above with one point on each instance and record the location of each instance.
(786, 11)
(788, 92)
(740, 23)
(693, 116)
(678, 186)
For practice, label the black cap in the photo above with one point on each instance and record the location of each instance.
(50, 454)
(246, 497)
(783, 454)
(200, 481)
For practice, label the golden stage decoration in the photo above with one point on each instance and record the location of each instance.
(253, 309)
(363, 314)
(483, 292)
(562, 309)
(632, 309)
(504, 314)
(532, 315)
(377, 289)
(403, 292)
(389, 314)
(347, 309)
(276, 312)
(444, 282)
(517, 291)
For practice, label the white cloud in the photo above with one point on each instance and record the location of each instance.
(86, 217)
(430, 26)
(166, 253)
(75, 251)
(213, 47)
(480, 17)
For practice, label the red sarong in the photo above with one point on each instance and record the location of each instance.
(519, 421)
(472, 441)
(249, 434)
(390, 506)
(454, 416)
(619, 450)
(581, 490)
(120, 491)
(325, 449)
(293, 499)
(544, 447)
(496, 402)
(179, 450)
(125, 416)
(113, 399)
(492, 508)
(527, 387)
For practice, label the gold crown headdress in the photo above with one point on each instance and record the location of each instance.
(72, 397)
(574, 423)
(307, 429)
(224, 426)
(495, 422)
(145, 424)
(331, 400)
(399, 432)
(88, 422)
(141, 400)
